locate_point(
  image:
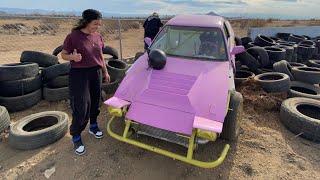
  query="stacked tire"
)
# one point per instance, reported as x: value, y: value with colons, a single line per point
x: 20, y: 85
x: 56, y: 82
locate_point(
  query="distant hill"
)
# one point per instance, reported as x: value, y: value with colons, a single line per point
x: 18, y: 11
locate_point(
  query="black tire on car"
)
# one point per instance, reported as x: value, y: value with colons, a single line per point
x: 38, y: 130
x: 4, y: 119
x: 20, y: 87
x: 300, y: 89
x: 283, y: 67
x: 261, y: 55
x: 231, y: 125
x: 16, y: 71
x: 55, y: 94
x: 264, y: 41
x: 55, y: 71
x: 59, y: 82
x: 19, y: 103
x: 57, y: 50
x: 273, y: 82
x: 301, y: 116
x: 111, y: 51
x: 43, y: 59
x: 309, y: 75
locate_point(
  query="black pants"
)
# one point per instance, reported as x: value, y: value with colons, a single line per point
x: 85, y: 94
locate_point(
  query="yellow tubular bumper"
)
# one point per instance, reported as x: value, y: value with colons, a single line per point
x: 185, y: 159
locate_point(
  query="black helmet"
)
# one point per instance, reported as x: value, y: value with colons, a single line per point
x: 157, y: 59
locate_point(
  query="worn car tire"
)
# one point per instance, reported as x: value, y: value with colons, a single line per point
x: 38, y: 130
x: 273, y: 82
x: 248, y: 60
x: 264, y: 41
x: 138, y: 54
x: 301, y: 116
x: 110, y: 88
x: 19, y: 103
x: 43, y: 59
x: 283, y: 36
x: 231, y: 125
x: 57, y: 50
x: 237, y: 41
x: 55, y: 94
x: 261, y: 55
x: 296, y: 38
x: 283, y: 67
x: 52, y: 72
x: 4, y: 119
x: 275, y: 54
x: 307, y: 42
x: 16, y: 71
x: 59, y: 82
x: 295, y: 64
x: 116, y: 68
x: 314, y: 63
x: 307, y: 74
x: 289, y: 52
x: 250, y: 45
x: 111, y: 51
x: 242, y: 76
x: 300, y: 89
x: 20, y: 87
x: 246, y: 40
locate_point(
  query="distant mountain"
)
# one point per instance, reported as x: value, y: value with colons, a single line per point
x: 18, y: 11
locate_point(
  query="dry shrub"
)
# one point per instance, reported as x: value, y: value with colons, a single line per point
x: 258, y: 99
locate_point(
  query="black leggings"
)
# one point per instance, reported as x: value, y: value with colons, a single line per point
x: 85, y: 94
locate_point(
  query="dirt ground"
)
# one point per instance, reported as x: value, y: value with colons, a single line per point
x: 264, y: 150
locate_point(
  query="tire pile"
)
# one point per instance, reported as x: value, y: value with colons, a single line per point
x: 40, y: 76
x: 286, y: 63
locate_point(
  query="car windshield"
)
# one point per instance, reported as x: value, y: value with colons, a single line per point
x: 192, y: 42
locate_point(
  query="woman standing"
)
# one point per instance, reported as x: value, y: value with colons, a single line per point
x: 83, y: 48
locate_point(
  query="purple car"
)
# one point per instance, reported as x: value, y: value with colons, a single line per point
x: 182, y: 89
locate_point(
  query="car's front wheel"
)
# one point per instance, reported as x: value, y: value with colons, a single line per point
x: 231, y: 123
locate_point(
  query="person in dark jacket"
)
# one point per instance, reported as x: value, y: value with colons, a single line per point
x: 151, y: 27
x: 83, y: 48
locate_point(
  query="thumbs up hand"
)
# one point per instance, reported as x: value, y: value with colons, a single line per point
x: 76, y: 56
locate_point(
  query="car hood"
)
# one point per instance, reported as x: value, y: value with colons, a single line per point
x: 195, y: 87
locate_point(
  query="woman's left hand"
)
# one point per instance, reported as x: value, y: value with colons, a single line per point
x: 106, y: 77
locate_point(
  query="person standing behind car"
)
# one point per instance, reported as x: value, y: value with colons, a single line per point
x: 83, y: 48
x: 151, y: 27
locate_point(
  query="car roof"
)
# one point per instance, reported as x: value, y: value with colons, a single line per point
x: 197, y: 21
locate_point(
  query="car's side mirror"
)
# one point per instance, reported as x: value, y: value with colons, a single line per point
x: 237, y: 50
x: 148, y: 41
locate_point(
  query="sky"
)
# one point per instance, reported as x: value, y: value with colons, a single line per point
x: 303, y: 9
